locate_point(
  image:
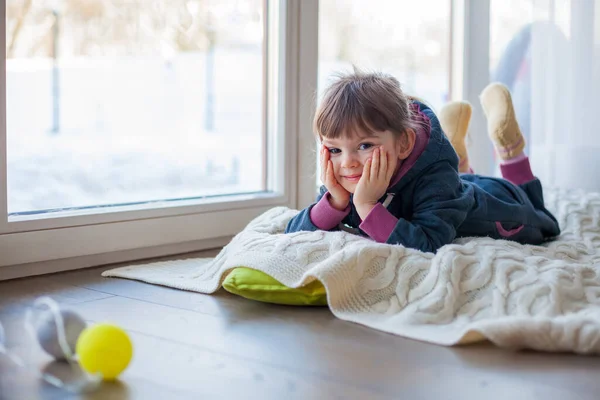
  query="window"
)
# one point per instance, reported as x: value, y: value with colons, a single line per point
x: 407, y: 39
x: 508, y: 19
x: 133, y: 101
x: 140, y: 124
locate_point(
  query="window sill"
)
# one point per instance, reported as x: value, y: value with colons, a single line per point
x: 95, y: 260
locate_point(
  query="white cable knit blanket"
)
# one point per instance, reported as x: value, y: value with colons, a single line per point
x: 540, y: 297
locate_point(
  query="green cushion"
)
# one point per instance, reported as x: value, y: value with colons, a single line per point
x: 257, y: 285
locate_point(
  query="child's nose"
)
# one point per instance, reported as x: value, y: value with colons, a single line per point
x: 350, y: 160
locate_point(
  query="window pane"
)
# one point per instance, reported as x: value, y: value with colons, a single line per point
x: 407, y: 39
x: 119, y: 101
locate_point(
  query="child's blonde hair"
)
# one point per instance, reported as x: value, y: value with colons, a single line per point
x: 363, y: 102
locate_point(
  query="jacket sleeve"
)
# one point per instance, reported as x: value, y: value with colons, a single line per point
x: 441, y: 203
x: 318, y: 216
x: 379, y: 223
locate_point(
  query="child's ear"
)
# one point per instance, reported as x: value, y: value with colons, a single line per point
x: 406, y: 143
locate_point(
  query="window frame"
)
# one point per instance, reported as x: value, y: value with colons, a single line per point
x: 167, y: 225
x: 470, y: 72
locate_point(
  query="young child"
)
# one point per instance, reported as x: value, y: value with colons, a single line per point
x: 391, y: 173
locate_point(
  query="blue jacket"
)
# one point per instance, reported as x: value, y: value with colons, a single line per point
x: 434, y: 204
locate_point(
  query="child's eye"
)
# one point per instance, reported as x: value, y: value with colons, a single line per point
x: 333, y: 150
x: 365, y: 146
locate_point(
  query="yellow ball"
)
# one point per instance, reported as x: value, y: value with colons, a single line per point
x: 104, y: 348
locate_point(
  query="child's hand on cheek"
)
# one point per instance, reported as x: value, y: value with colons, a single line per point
x: 340, y: 197
x: 373, y: 183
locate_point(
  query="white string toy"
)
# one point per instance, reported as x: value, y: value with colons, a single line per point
x: 32, y: 317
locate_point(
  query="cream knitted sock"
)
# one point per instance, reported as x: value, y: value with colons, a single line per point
x: 454, y: 118
x: 503, y: 128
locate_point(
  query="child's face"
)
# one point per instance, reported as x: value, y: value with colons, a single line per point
x: 350, y: 153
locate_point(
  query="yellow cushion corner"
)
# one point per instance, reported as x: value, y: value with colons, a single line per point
x: 256, y: 285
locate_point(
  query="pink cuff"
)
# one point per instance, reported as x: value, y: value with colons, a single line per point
x: 517, y: 172
x: 379, y: 224
x: 326, y: 217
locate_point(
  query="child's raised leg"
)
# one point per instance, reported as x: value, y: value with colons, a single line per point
x: 504, y: 131
x: 454, y: 118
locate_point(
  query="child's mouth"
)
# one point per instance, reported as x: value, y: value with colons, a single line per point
x: 352, y: 178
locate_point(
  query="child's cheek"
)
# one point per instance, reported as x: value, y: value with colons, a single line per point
x: 336, y: 168
x: 366, y: 156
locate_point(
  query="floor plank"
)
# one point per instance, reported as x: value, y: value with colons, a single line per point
x: 222, y: 346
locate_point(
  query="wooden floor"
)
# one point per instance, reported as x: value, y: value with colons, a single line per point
x: 191, y: 346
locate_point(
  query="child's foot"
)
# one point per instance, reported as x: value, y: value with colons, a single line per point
x: 454, y: 118
x: 502, y: 123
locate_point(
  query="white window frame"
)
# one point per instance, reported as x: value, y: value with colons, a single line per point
x: 470, y: 73
x: 77, y: 239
